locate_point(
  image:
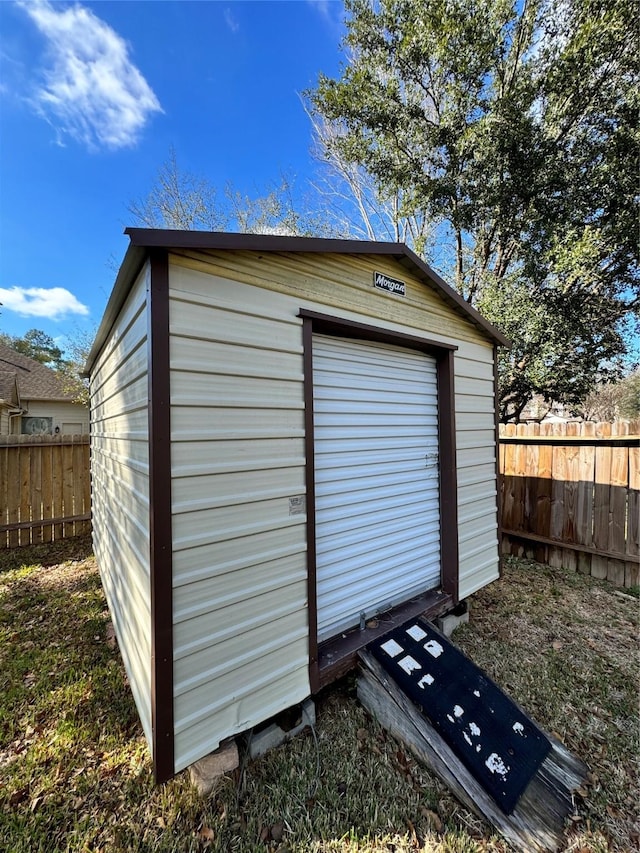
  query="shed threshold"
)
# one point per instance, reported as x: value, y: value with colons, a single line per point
x: 339, y: 655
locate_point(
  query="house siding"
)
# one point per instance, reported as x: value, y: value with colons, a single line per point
x: 120, y: 488
x: 237, y: 430
x: 61, y: 413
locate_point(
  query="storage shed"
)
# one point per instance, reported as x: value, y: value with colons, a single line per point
x: 293, y: 445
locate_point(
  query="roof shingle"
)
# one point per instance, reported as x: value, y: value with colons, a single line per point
x: 35, y: 381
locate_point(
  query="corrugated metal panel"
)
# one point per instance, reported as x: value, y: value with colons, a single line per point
x: 234, y: 323
x: 311, y: 282
x: 241, y: 674
x: 474, y: 387
x: 342, y: 282
x: 235, y: 710
x: 120, y: 475
x: 376, y: 481
x: 240, y: 590
x: 476, y: 453
x: 201, y: 562
x: 479, y: 568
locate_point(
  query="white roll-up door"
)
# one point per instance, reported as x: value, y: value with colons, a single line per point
x: 376, y: 478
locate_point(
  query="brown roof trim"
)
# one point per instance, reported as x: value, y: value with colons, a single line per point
x: 144, y: 239
x: 132, y: 263
x: 167, y: 239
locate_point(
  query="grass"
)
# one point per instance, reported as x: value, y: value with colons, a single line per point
x: 75, y: 773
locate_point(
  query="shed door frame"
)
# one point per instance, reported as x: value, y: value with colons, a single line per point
x: 317, y: 323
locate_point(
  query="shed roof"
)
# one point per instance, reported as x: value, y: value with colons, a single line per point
x: 145, y: 240
x: 35, y: 381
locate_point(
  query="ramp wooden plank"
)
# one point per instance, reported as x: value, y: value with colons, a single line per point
x: 537, y: 822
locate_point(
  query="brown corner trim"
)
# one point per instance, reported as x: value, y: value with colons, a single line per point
x: 312, y: 607
x: 161, y: 569
x: 496, y: 410
x: 448, y: 475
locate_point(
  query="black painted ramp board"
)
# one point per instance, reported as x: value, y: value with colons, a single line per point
x: 499, y: 745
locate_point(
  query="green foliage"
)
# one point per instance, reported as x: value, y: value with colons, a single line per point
x: 629, y: 406
x: 68, y: 364
x: 36, y: 345
x: 71, y: 372
x: 513, y: 128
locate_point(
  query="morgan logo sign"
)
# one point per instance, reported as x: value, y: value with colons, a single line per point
x: 391, y: 285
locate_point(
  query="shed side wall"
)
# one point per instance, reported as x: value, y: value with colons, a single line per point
x: 120, y: 488
x: 240, y: 599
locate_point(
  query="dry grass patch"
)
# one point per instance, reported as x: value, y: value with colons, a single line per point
x: 566, y: 647
x: 75, y: 773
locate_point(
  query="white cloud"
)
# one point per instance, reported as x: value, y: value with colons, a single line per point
x: 231, y: 21
x: 322, y: 6
x: 332, y: 11
x: 92, y: 91
x: 52, y: 302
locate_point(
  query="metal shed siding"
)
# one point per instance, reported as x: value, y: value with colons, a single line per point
x: 476, y: 449
x: 344, y: 283
x: 239, y: 564
x: 120, y: 474
x: 377, y: 506
x: 341, y: 281
x: 240, y: 598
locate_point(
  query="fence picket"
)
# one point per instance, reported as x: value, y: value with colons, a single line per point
x: 558, y: 466
x: 13, y: 494
x: 56, y: 487
x: 632, y: 569
x: 42, y: 479
x: 35, y: 491
x: 601, y: 503
x: 47, y: 490
x: 581, y: 497
x: 24, y: 466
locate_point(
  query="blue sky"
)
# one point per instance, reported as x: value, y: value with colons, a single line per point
x: 93, y: 96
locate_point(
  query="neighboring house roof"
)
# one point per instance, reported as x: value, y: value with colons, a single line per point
x: 9, y: 387
x: 144, y: 240
x: 34, y: 380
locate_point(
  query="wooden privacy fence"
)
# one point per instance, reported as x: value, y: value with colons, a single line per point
x: 571, y: 496
x: 45, y: 491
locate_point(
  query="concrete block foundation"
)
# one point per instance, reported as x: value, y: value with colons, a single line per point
x: 284, y: 727
x: 452, y: 620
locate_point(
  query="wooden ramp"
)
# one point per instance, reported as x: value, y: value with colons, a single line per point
x: 537, y: 821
